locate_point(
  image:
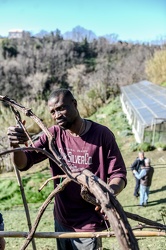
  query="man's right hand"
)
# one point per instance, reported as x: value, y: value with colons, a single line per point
x: 16, y: 136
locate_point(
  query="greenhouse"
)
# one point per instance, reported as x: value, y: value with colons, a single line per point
x: 144, y: 104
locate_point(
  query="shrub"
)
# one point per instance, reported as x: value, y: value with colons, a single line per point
x: 156, y: 67
x: 145, y: 146
x: 161, y: 145
x: 126, y: 132
x: 134, y: 146
x: 141, y: 147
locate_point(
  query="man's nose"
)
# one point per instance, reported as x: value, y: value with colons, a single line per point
x: 57, y: 114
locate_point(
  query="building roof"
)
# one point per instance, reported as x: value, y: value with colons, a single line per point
x: 148, y: 101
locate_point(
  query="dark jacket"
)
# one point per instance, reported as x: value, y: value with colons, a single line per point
x: 137, y: 164
x: 147, y: 179
x: 1, y: 218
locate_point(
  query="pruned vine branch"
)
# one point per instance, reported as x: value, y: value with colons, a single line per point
x: 147, y: 223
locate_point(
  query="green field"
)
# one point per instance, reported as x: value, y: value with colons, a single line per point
x: 15, y: 219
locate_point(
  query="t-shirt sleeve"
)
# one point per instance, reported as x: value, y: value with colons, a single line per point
x: 116, y: 165
x: 34, y: 157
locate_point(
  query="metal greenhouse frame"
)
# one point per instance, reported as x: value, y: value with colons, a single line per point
x: 144, y: 104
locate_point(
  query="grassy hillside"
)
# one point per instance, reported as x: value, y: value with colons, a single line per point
x: 12, y: 206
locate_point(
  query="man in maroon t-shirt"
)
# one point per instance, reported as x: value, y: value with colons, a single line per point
x: 83, y: 144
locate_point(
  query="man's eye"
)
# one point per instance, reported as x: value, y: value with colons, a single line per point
x: 62, y: 108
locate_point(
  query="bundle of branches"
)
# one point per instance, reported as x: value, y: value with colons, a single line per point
x: 92, y: 189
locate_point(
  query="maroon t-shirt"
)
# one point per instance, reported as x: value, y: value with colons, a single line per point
x: 97, y: 151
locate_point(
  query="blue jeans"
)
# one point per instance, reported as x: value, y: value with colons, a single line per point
x: 76, y: 243
x: 144, y: 194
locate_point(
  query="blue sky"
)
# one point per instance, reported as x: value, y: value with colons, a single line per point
x: 143, y: 20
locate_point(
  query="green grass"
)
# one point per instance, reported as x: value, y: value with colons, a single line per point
x: 13, y: 209
x: 10, y: 191
x: 15, y: 219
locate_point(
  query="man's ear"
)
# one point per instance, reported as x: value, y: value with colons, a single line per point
x: 75, y: 102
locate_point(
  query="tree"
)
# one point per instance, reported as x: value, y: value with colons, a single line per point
x: 9, y: 50
x: 156, y: 68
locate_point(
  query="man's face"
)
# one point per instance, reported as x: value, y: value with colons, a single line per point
x: 63, y: 111
x: 141, y: 156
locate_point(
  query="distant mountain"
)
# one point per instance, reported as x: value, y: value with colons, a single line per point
x: 79, y: 33
x: 42, y: 33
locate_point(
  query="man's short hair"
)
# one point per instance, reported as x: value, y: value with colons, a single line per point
x: 58, y: 92
x: 147, y: 161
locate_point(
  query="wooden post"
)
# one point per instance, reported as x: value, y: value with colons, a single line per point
x: 24, y: 202
x: 49, y: 235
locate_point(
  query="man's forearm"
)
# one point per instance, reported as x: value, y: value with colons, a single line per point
x: 117, y: 185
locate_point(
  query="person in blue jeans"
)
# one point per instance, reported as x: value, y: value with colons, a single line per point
x: 2, y: 241
x: 145, y: 177
x: 136, y: 165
